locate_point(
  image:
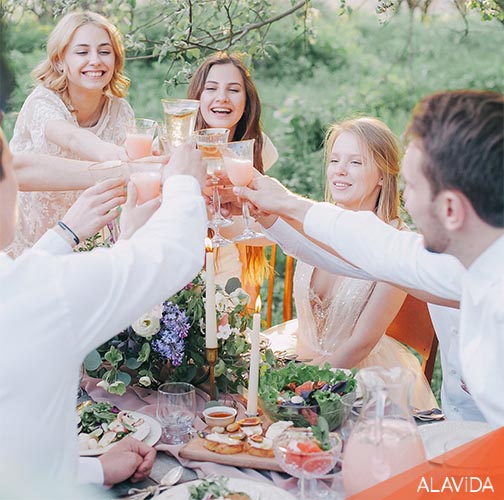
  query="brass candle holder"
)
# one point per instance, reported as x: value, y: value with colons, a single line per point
x: 212, y: 356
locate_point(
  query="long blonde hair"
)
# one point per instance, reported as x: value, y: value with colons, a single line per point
x: 381, y: 149
x: 47, y: 72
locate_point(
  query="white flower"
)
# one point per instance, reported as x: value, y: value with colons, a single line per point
x: 103, y: 384
x: 145, y: 381
x: 239, y: 297
x: 224, y: 331
x: 157, y: 311
x: 146, y: 326
x: 221, y: 302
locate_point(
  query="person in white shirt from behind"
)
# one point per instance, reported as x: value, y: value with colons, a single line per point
x: 453, y: 169
x: 53, y: 314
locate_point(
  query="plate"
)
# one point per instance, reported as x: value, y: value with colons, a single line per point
x: 440, y: 437
x: 255, y: 489
x: 155, y: 430
x: 141, y: 433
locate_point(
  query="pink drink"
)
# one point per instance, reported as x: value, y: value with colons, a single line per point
x: 148, y: 185
x: 369, y: 460
x: 239, y: 170
x: 138, y: 145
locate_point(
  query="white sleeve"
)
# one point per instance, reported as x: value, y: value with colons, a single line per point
x: 103, y: 291
x: 388, y: 254
x: 90, y: 471
x: 51, y: 242
x: 296, y: 244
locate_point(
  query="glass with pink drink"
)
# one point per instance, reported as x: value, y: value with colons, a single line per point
x: 146, y: 177
x: 139, y: 137
x: 239, y: 166
x: 385, y: 441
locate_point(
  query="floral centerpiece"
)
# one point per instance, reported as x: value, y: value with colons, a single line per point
x: 168, y: 343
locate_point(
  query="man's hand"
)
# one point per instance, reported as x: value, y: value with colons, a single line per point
x: 95, y: 207
x: 133, y: 216
x: 129, y: 458
x: 186, y: 160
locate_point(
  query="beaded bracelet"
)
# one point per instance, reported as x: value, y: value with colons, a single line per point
x: 66, y: 228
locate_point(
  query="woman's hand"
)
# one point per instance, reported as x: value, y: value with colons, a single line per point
x: 95, y: 208
x: 134, y: 216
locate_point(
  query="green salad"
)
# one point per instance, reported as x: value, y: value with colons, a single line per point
x: 301, y: 392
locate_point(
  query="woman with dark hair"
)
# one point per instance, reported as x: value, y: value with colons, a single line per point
x: 229, y: 99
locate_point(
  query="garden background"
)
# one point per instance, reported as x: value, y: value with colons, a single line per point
x: 314, y: 63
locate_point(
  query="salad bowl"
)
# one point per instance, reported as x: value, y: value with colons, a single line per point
x: 301, y: 393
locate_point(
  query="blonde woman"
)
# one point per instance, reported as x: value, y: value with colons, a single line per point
x: 76, y: 111
x: 343, y: 320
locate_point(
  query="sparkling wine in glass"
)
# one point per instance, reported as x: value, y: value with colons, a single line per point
x: 239, y: 165
x: 146, y: 176
x: 180, y: 118
x: 112, y: 169
x: 211, y: 142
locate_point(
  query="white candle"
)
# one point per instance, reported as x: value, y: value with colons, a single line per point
x: 253, y: 381
x: 210, y: 312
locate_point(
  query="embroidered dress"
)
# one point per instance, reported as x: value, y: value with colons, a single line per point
x: 40, y: 210
x: 322, y: 325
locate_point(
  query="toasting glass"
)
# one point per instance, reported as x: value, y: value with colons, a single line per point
x: 180, y: 118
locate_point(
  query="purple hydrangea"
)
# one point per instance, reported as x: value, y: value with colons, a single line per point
x: 170, y: 341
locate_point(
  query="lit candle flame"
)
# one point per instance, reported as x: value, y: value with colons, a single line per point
x: 258, y: 304
x: 208, y: 244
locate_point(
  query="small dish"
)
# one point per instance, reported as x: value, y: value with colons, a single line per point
x: 219, y: 415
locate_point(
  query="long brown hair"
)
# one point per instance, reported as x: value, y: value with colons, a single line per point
x: 47, y: 72
x: 381, y: 149
x: 248, y: 127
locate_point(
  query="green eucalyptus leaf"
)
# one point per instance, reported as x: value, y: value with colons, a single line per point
x: 232, y: 284
x: 92, y: 361
x: 117, y: 387
x: 124, y: 377
x: 133, y: 363
x: 144, y: 353
x: 114, y: 356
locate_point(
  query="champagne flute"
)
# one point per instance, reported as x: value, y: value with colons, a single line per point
x: 112, y: 169
x: 180, y: 118
x: 211, y: 142
x: 239, y: 165
x: 139, y: 136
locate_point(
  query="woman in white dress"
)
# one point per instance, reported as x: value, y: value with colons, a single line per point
x: 343, y: 320
x: 76, y: 111
x: 229, y: 99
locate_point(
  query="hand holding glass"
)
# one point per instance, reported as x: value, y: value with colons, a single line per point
x: 112, y: 169
x: 239, y: 165
x: 180, y: 118
x: 147, y: 179
x: 176, y: 410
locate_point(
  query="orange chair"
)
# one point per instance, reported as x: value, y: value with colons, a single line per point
x: 412, y: 326
x: 288, y: 287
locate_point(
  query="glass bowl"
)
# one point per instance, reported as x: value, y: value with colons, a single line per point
x: 295, y: 446
x: 305, y: 416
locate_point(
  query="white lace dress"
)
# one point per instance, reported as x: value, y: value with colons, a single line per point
x: 323, y: 325
x: 40, y: 210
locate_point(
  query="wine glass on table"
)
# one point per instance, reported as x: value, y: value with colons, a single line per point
x: 239, y: 165
x: 180, y: 118
x: 211, y: 142
x: 139, y: 136
x: 112, y: 169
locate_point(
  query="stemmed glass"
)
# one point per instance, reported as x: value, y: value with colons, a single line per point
x: 176, y: 411
x: 112, y: 169
x: 146, y: 176
x: 211, y: 142
x: 180, y: 118
x: 239, y: 165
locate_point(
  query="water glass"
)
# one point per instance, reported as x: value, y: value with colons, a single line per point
x: 176, y: 410
x: 139, y: 136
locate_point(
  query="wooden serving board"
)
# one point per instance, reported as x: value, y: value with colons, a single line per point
x: 195, y: 450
